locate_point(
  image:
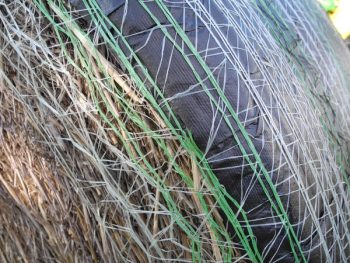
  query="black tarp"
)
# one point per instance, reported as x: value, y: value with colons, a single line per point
x: 197, y: 113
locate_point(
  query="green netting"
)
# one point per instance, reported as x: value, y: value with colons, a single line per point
x: 300, y: 90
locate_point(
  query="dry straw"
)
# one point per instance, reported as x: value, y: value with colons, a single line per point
x: 89, y: 170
